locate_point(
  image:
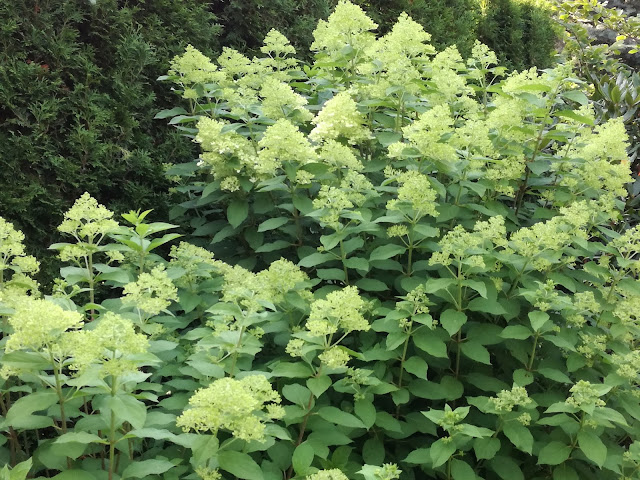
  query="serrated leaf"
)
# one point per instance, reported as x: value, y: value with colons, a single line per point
x: 302, y: 458
x: 519, y: 435
x: 476, y: 352
x: 146, y: 467
x: 592, y: 447
x: 237, y: 212
x: 554, y: 453
x: 452, y: 321
x: 441, y: 451
x: 386, y: 251
x: 516, y: 332
x: 240, y: 464
x: 339, y: 417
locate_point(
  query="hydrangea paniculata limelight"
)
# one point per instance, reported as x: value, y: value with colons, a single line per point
x: 194, y: 68
x: 39, y: 324
x: 341, y: 310
x: 108, y: 347
x: 339, y: 119
x: 333, y: 474
x: 506, y: 400
x: 242, y: 407
x: 152, y: 292
x: 89, y: 220
x: 282, y: 142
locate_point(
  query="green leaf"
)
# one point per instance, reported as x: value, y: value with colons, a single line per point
x: 319, y: 385
x: 554, y: 453
x: 565, y: 472
x: 371, y: 285
x: 386, y: 251
x: 416, y: 366
x: 365, y: 410
x: 419, y: 456
x: 461, y: 470
x: 428, y: 341
x: 272, y: 224
x: 487, y: 306
x: 297, y: 394
x: 538, y: 319
x: 358, y: 263
x: 146, y: 467
x: 441, y: 451
x: 592, y: 447
x: 240, y: 464
x: 576, y: 96
x: 387, y: 138
x: 302, y: 458
x: 506, y: 468
x: 519, y: 435
x: 373, y: 451
x: 486, y: 448
x: 574, y: 116
x: 517, y: 332
x: 292, y: 370
x: 452, y: 321
x: 555, y: 375
x: 20, y: 471
x: 315, y: 259
x: 476, y: 352
x: 20, y: 414
x: 79, y: 437
x: 237, y: 212
x: 170, y: 113
x: 72, y: 475
x: 338, y: 417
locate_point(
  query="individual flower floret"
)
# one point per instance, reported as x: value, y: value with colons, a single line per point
x: 333, y: 474
x: 240, y: 406
x: 88, y: 219
x: 38, y: 324
x: 342, y: 309
x: 339, y: 118
x: 108, y: 347
x: 152, y: 292
x: 506, y: 400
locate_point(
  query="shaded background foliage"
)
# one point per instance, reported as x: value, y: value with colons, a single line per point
x: 78, y: 92
x: 77, y: 100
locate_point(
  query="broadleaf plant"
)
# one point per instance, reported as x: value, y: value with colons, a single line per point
x: 420, y: 271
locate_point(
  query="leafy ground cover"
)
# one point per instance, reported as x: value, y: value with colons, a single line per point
x: 421, y: 270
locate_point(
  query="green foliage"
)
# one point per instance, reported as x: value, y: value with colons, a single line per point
x: 77, y: 99
x: 421, y: 272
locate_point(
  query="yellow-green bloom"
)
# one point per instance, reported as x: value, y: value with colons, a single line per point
x: 339, y: 118
x: 342, y: 309
x: 335, y: 357
x: 38, y: 324
x: 585, y: 395
x: 506, y: 400
x: 242, y: 407
x: 152, y: 292
x: 109, y: 346
x: 333, y: 474
x: 282, y: 142
x: 194, y: 68
x: 88, y: 219
x: 280, y: 101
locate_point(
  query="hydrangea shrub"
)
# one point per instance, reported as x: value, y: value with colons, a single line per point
x: 403, y: 266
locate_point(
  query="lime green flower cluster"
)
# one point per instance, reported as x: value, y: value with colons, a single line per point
x: 108, y: 348
x: 425, y: 135
x: 415, y: 190
x: 280, y: 101
x: 333, y: 474
x: 152, y: 293
x: 196, y: 262
x: 585, y: 396
x: 227, y: 154
x: 13, y: 257
x: 339, y: 119
x: 282, y: 142
x: 278, y: 48
x: 194, y: 68
x: 352, y: 192
x: 335, y: 357
x: 39, y: 325
x: 347, y: 26
x: 240, y: 406
x: 88, y: 220
x: 458, y: 244
x: 628, y: 365
x: 206, y: 473
x: 506, y: 400
x: 341, y: 310
x: 388, y: 471
x: 339, y: 156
